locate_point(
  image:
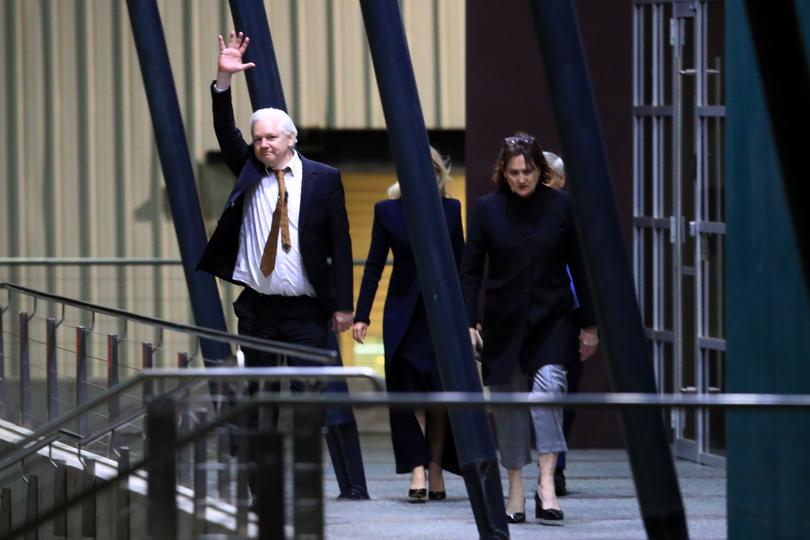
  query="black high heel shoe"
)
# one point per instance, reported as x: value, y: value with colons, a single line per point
x: 547, y: 516
x: 417, y: 495
x: 516, y: 517
x: 437, y: 495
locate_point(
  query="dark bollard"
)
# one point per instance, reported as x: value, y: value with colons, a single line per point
x: 122, y: 502
x: 307, y: 472
x: 52, y: 372
x: 60, y: 496
x: 25, y: 372
x: 81, y: 374
x: 3, y: 401
x: 114, y: 404
x: 435, y: 263
x: 89, y: 505
x: 609, y: 274
x: 161, y: 509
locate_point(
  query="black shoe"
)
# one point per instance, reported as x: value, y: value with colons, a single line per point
x: 354, y: 494
x: 516, y: 517
x: 547, y: 516
x: 437, y: 495
x: 417, y: 495
x: 559, y: 482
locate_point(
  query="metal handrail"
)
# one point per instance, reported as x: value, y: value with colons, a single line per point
x: 275, y: 347
x: 108, y: 261
x: 22, y: 448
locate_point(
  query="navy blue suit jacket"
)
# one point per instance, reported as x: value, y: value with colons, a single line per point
x: 323, y: 227
x: 390, y: 231
x: 529, y: 312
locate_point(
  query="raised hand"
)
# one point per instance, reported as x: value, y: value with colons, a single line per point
x: 230, y: 56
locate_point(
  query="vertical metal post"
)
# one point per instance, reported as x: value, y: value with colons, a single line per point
x: 51, y: 368
x: 200, y: 477
x: 32, y: 505
x: 25, y: 372
x: 186, y: 459
x: 167, y: 122
x: 270, y: 464
x: 59, y: 497
x: 5, y: 511
x: 307, y: 472
x: 242, y: 471
x: 225, y: 461
x: 114, y: 405
x: 81, y: 373
x: 147, y: 361
x: 3, y: 401
x: 89, y: 505
x: 435, y: 263
x: 122, y: 502
x: 161, y: 510
x: 602, y: 247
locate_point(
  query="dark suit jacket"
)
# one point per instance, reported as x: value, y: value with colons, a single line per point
x: 390, y: 231
x: 323, y: 228
x: 529, y: 312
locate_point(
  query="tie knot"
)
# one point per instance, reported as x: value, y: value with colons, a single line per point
x: 280, y: 174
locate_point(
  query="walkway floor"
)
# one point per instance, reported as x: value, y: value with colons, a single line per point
x: 601, y: 504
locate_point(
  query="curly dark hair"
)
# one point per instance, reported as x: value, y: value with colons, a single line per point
x: 520, y: 144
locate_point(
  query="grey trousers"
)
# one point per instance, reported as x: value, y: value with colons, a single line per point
x: 512, y: 425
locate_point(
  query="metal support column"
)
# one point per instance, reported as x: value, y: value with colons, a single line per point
x: 52, y: 372
x: 610, y: 277
x: 81, y: 374
x: 436, y: 266
x: 177, y: 170
x: 25, y: 372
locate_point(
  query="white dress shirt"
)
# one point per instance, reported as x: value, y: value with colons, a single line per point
x: 288, y: 277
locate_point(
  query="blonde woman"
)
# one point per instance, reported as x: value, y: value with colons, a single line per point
x: 421, y: 439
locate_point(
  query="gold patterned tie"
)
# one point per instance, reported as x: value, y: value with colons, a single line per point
x: 281, y: 221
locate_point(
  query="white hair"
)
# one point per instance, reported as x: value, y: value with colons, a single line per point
x: 269, y: 114
x: 555, y: 162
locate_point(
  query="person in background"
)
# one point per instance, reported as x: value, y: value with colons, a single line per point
x: 421, y: 438
x: 574, y: 375
x: 524, y: 232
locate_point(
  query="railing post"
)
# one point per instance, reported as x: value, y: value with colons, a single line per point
x: 243, y: 469
x: 147, y: 360
x: 270, y: 475
x: 89, y: 505
x: 200, y: 477
x: 122, y: 503
x: 161, y: 510
x: 5, y: 512
x: 225, y: 461
x: 307, y: 472
x: 186, y: 454
x: 114, y: 407
x: 3, y: 401
x: 32, y: 505
x: 60, y: 496
x: 81, y: 373
x: 52, y: 371
x: 25, y: 372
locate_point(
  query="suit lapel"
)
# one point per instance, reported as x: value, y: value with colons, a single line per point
x: 308, y: 179
x: 251, y: 173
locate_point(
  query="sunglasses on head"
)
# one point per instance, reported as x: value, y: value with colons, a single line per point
x: 528, y: 140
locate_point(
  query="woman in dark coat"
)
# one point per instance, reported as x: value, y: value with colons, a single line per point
x: 525, y: 231
x: 420, y: 440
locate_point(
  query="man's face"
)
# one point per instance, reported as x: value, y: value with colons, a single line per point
x: 521, y: 176
x: 272, y: 146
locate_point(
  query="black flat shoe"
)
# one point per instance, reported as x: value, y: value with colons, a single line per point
x: 547, y: 516
x: 437, y: 495
x: 417, y: 495
x: 516, y: 517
